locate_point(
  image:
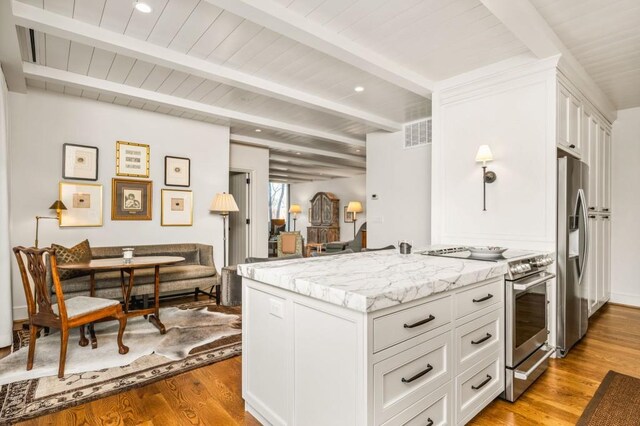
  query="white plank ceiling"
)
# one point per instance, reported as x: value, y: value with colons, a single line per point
x: 194, y: 59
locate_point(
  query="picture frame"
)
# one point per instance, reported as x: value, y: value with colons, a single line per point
x: 177, y: 171
x: 131, y: 199
x: 83, y: 202
x: 79, y: 162
x: 348, y: 216
x: 177, y: 207
x: 132, y: 159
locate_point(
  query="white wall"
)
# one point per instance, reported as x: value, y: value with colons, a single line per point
x: 255, y: 160
x: 42, y: 121
x: 513, y: 112
x: 6, y: 320
x: 401, y: 179
x: 625, y: 207
x: 346, y: 189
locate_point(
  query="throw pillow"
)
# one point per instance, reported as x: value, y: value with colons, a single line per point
x: 80, y: 253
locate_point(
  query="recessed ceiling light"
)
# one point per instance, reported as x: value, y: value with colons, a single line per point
x: 142, y: 7
x: 297, y: 153
x: 258, y: 130
x: 357, y: 150
x: 359, y: 89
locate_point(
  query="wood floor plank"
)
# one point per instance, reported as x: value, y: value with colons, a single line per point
x: 212, y: 395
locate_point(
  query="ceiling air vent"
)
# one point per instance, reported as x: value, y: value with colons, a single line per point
x: 417, y: 133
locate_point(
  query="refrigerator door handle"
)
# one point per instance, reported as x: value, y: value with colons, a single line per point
x: 585, y: 218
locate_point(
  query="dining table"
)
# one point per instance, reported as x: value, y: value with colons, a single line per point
x: 129, y: 266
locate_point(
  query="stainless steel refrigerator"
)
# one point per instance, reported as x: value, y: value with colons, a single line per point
x: 573, y: 251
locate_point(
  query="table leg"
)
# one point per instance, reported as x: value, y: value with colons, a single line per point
x: 124, y: 291
x: 92, y: 281
x: 155, y: 317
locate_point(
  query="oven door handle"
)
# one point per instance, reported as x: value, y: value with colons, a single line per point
x: 546, y: 277
x: 524, y: 375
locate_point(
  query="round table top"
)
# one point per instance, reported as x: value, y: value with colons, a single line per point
x: 118, y: 263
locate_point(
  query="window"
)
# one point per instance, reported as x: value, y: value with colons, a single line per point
x: 278, y: 200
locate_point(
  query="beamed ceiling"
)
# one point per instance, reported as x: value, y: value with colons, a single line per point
x: 282, y: 73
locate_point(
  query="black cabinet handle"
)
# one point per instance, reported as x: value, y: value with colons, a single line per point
x: 605, y: 210
x: 429, y: 422
x: 572, y: 146
x: 424, y: 321
x: 481, y: 385
x: 592, y: 208
x: 484, y: 339
x: 417, y: 376
x: 487, y: 297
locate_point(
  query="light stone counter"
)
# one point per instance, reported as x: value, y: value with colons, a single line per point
x: 370, y: 281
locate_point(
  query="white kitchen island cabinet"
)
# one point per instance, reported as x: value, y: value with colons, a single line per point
x: 373, y: 338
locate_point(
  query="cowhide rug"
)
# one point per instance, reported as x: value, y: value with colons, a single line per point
x: 198, y: 334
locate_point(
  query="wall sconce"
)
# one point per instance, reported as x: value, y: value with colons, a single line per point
x: 484, y: 154
x: 295, y: 209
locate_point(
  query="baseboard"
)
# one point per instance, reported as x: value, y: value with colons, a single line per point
x: 20, y: 313
x: 625, y: 299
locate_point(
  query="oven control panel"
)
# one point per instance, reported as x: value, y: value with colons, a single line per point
x: 522, y: 267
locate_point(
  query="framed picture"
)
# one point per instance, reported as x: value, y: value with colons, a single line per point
x: 83, y: 202
x: 348, y: 216
x: 177, y: 171
x: 79, y: 162
x: 132, y: 159
x: 177, y: 207
x: 131, y: 199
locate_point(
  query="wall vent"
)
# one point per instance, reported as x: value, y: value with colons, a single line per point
x: 417, y: 133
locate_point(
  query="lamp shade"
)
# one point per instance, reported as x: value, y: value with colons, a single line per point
x: 484, y: 154
x: 224, y: 203
x: 295, y: 208
x: 58, y: 205
x: 354, y: 207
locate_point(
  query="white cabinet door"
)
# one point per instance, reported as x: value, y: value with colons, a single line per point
x: 606, y: 172
x: 600, y: 259
x: 606, y: 259
x: 594, y: 164
x: 568, y: 121
x: 593, y: 264
x: 575, y: 115
x: 563, y: 116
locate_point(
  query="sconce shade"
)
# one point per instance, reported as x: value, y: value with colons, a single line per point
x: 295, y: 208
x: 484, y: 154
x: 223, y: 203
x: 354, y: 207
x: 58, y: 205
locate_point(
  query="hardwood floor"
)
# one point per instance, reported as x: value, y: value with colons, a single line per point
x: 212, y: 395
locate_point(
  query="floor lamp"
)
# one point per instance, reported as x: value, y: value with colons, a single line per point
x: 354, y: 207
x: 58, y: 206
x: 295, y: 209
x: 223, y: 204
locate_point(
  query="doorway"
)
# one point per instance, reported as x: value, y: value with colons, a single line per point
x: 240, y: 224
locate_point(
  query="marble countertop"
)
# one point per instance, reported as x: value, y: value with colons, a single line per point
x: 370, y: 281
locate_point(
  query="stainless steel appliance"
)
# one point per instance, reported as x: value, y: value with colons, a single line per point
x: 573, y: 247
x: 526, y: 323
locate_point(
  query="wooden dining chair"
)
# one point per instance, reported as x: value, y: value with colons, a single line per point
x: 77, y: 311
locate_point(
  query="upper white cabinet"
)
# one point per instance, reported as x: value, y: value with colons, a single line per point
x: 569, y: 121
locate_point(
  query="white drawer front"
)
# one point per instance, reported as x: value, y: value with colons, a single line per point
x: 403, y: 379
x: 476, y: 385
x: 435, y: 409
x: 399, y: 326
x: 477, y: 339
x: 474, y: 299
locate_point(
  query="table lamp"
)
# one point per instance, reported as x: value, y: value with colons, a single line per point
x: 354, y: 207
x: 58, y: 206
x: 223, y: 204
x: 295, y: 209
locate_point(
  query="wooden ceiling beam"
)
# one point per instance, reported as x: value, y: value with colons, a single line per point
x: 81, y: 32
x: 277, y: 18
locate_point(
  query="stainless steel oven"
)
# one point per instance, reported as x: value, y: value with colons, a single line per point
x: 526, y: 324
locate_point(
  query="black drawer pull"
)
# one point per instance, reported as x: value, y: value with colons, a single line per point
x: 424, y: 321
x: 429, y: 422
x: 484, y: 339
x: 481, y: 385
x: 487, y: 297
x: 572, y: 146
x: 417, y: 376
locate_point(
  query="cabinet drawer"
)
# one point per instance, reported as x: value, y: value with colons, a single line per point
x: 403, y: 379
x: 435, y: 409
x: 397, y: 327
x: 477, y: 339
x: 474, y: 299
x: 477, y: 386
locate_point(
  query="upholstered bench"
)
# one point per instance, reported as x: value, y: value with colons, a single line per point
x: 197, y: 271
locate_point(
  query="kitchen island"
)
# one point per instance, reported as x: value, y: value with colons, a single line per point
x: 372, y: 338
